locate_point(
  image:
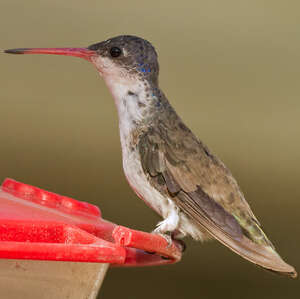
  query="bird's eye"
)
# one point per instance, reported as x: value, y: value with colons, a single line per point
x: 115, y: 52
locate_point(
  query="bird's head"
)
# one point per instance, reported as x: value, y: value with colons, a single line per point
x: 122, y: 58
x: 126, y: 57
x: 128, y: 65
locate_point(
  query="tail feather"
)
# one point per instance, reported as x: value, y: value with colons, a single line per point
x: 261, y: 253
x: 264, y: 256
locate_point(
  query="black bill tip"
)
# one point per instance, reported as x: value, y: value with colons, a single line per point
x: 16, y: 51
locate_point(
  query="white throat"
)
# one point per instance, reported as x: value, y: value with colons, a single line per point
x: 132, y: 105
x: 129, y: 93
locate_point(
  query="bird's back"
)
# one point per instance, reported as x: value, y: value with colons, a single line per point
x: 181, y: 167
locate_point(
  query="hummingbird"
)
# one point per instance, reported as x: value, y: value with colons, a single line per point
x: 165, y: 163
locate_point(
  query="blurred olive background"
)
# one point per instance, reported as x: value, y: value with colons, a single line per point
x: 230, y: 68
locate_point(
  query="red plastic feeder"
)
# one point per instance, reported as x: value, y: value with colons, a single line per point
x: 53, y: 246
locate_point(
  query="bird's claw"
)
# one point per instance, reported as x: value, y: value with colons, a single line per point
x: 181, y: 244
x: 167, y: 236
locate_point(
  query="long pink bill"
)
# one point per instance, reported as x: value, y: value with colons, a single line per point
x: 77, y: 52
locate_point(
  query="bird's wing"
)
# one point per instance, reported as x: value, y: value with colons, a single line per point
x: 205, y: 190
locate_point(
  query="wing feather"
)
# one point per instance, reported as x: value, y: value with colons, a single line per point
x: 205, y: 190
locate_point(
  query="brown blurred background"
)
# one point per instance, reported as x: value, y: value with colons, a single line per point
x: 230, y: 68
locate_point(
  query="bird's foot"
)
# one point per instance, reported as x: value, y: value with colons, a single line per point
x: 163, y: 229
x: 166, y: 235
x: 170, y: 237
x: 177, y: 236
x: 181, y: 244
x: 169, y: 225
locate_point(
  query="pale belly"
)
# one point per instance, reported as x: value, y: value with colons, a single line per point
x: 133, y: 108
x: 139, y: 183
x: 163, y: 205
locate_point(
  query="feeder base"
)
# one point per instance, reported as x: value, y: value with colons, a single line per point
x: 50, y: 279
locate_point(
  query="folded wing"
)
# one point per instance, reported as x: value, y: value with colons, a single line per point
x: 205, y: 190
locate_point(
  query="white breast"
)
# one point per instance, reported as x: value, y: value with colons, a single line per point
x: 164, y: 206
x: 138, y: 181
x: 128, y: 96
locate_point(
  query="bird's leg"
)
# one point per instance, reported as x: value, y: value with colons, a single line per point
x: 178, y: 236
x: 166, y: 227
x: 181, y: 244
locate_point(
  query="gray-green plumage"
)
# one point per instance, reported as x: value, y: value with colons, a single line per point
x: 165, y: 164
x: 180, y: 165
x: 182, y: 168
